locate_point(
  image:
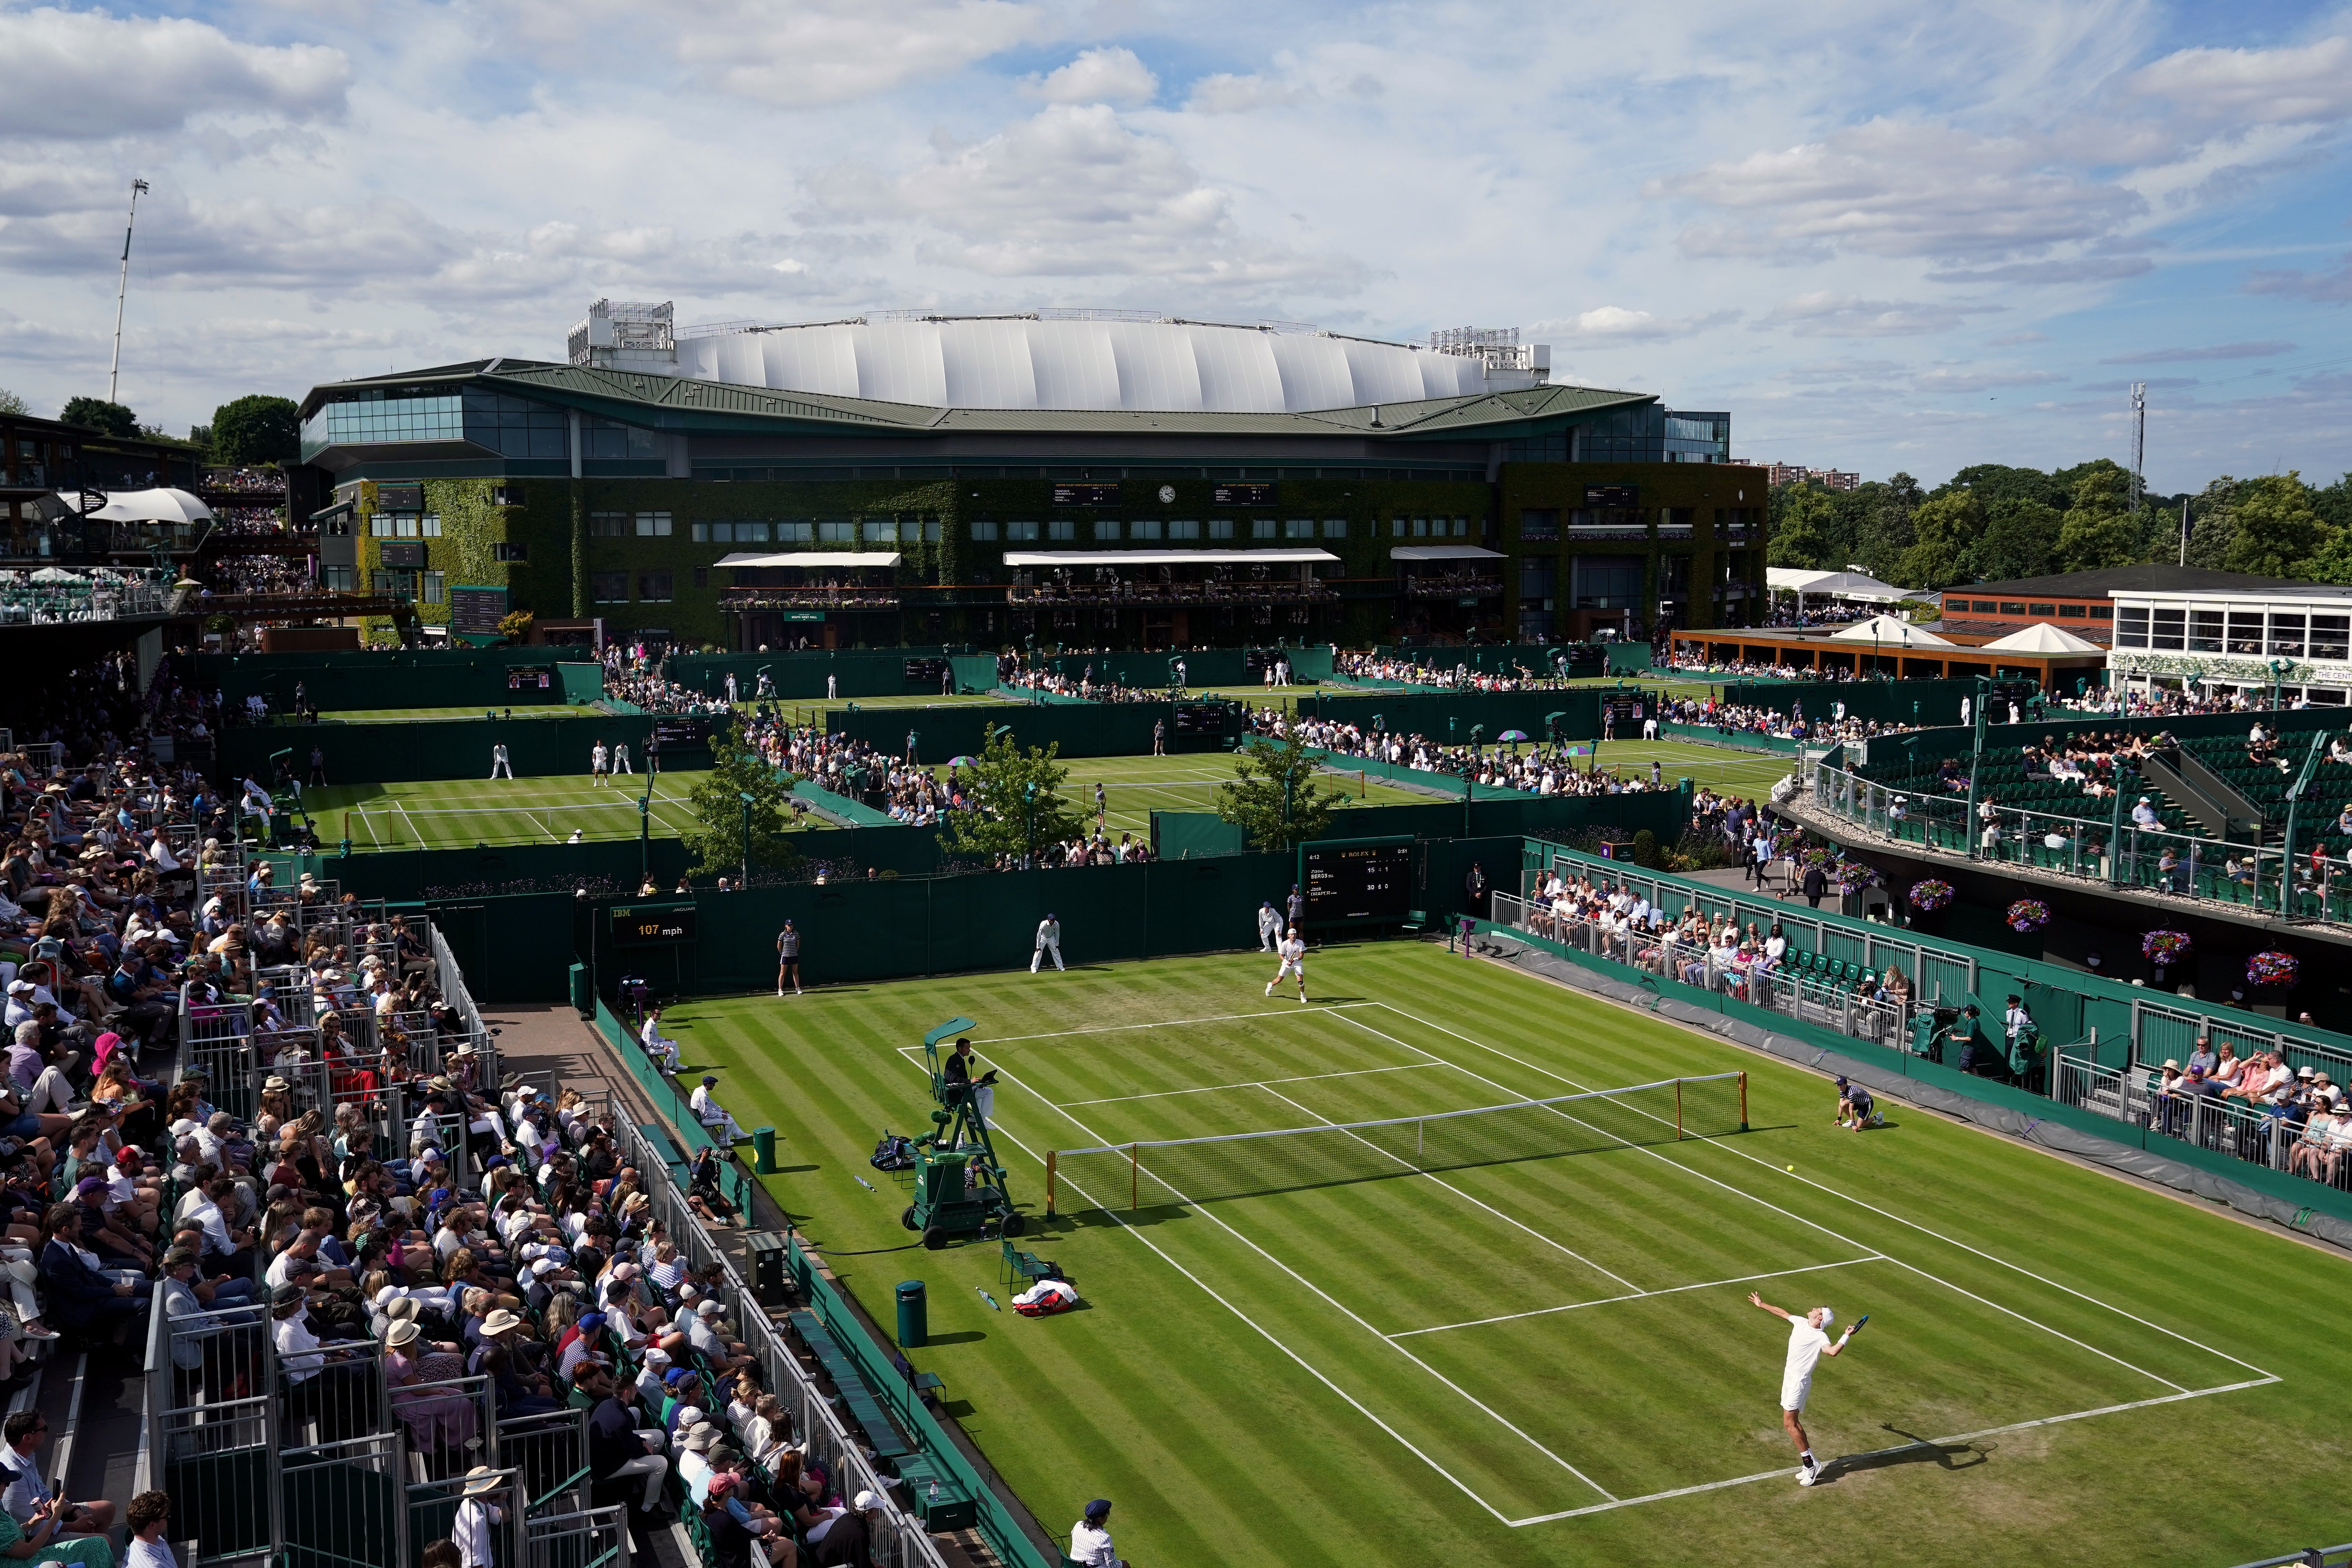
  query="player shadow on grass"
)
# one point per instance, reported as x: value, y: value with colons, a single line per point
x: 1919, y: 1450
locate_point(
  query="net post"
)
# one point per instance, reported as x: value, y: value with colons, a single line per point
x: 1134, y: 1177
x: 1049, y: 1183
x: 1743, y: 1099
x: 1678, y: 1110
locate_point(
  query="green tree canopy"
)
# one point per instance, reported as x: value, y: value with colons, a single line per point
x: 12, y: 403
x: 2018, y: 535
x: 2096, y: 531
x: 1276, y: 796
x: 256, y: 428
x: 1995, y: 483
x: 1947, y: 530
x: 717, y: 838
x: 1020, y: 800
x: 2277, y: 530
x: 1801, y: 516
x: 100, y: 415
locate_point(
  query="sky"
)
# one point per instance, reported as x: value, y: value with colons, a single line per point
x: 1882, y: 235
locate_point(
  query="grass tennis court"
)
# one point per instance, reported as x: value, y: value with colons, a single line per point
x: 1135, y: 787
x: 458, y: 814
x: 1748, y: 774
x: 1549, y: 1360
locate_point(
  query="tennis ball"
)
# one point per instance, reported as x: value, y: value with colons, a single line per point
x: 1792, y: 1167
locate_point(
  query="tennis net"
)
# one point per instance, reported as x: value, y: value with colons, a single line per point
x: 1243, y: 1165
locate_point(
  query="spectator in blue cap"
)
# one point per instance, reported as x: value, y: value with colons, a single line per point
x: 1090, y: 1538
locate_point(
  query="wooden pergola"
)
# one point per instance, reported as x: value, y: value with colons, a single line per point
x: 1820, y: 651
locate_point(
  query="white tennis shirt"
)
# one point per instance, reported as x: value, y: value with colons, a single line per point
x: 1806, y: 1343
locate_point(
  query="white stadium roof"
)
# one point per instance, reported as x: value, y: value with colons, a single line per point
x: 1018, y: 363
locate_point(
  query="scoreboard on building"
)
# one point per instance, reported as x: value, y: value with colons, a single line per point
x: 531, y: 677
x: 476, y: 610
x: 927, y: 672
x: 1085, y: 495
x: 1243, y: 495
x: 687, y: 728
x: 645, y: 925
x: 1611, y: 497
x: 1200, y: 718
x: 1356, y: 879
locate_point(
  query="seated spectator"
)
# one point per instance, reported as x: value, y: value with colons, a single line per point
x: 27, y: 1495
x: 713, y: 1115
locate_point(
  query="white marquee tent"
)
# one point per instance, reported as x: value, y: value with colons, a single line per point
x: 1891, y: 631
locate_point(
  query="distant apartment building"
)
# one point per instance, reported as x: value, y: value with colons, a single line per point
x: 1797, y: 474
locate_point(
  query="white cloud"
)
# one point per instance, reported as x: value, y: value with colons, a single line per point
x: 2264, y: 350
x: 1226, y: 93
x: 2320, y: 287
x: 1097, y: 75
x: 1074, y: 192
x: 1606, y: 326
x: 1953, y: 380
x: 85, y: 74
x: 1827, y: 314
x: 2312, y: 84
x: 1897, y: 188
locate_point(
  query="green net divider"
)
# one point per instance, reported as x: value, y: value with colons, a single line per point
x: 1247, y: 1164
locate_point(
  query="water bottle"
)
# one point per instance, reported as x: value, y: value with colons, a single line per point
x: 935, y: 1494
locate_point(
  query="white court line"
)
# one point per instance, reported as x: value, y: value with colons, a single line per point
x: 1833, y: 1192
x: 1789, y: 1213
x: 401, y: 806
x: 1636, y: 1295
x: 1338, y: 1306
x: 1222, y: 1088
x: 1304, y: 1366
x: 1180, y: 1023
x: 1457, y: 1192
x: 1933, y: 1442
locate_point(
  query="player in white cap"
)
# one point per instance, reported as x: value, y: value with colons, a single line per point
x: 1293, y: 949
x: 1809, y: 1341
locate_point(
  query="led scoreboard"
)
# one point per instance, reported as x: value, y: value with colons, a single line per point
x: 644, y: 925
x: 1356, y: 879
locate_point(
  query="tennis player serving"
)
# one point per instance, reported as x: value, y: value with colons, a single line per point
x: 1809, y: 1341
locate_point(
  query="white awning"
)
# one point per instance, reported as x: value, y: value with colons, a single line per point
x: 1836, y: 585
x: 814, y: 558
x: 1889, y: 631
x: 153, y: 506
x: 1442, y: 553
x: 2041, y: 637
x: 1164, y: 557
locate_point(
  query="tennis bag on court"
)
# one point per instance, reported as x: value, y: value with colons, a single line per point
x: 892, y: 1153
x: 1045, y: 1299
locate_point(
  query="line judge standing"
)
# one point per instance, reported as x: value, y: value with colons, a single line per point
x: 1049, y: 940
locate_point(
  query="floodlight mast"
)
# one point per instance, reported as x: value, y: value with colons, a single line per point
x: 114, y: 369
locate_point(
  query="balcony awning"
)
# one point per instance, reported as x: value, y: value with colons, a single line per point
x: 1164, y: 557
x: 1442, y: 553
x: 814, y: 558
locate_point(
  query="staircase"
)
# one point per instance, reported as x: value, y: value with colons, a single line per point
x: 2211, y: 801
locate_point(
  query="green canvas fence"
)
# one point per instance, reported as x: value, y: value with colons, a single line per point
x: 1447, y: 716
x: 444, y: 748
x: 1080, y: 729
x: 1888, y: 701
x: 581, y: 682
x: 1664, y: 812
x: 1204, y: 666
x: 798, y: 677
x: 343, y: 678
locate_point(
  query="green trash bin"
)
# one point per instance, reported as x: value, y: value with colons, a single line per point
x: 764, y: 1150
x: 914, y: 1314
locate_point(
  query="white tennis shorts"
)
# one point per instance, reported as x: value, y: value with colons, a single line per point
x: 1292, y: 966
x: 1794, y: 1392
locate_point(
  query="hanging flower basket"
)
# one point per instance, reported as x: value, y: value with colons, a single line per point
x: 2165, y: 948
x: 2272, y: 968
x: 2028, y: 915
x: 1930, y: 895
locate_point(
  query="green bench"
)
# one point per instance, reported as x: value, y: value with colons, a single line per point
x: 1026, y: 1268
x: 658, y: 1139
x: 935, y: 1496
x: 858, y: 1400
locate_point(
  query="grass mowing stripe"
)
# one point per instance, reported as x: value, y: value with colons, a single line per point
x: 1638, y: 1295
x: 1341, y: 1308
x: 1825, y: 1229
x: 1948, y: 1241
x: 1304, y: 1364
x: 1223, y: 1087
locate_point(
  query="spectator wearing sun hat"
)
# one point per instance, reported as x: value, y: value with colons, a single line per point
x: 1090, y: 1544
x: 470, y: 1530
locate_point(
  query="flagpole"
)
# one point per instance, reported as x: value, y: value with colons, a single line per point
x: 115, y: 369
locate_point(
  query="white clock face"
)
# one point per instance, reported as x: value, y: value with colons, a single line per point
x: 1167, y: 494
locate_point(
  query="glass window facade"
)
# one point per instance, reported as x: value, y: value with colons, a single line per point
x: 1181, y: 527
x: 983, y: 531
x: 1220, y: 528
x: 511, y: 427
x: 609, y: 587
x: 654, y: 587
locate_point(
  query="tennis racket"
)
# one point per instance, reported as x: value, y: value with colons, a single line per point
x: 1857, y: 1325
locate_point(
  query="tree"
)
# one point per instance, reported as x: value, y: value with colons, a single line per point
x: 2018, y: 534
x: 256, y: 428
x: 1020, y: 800
x: 716, y: 839
x: 2212, y: 523
x: 515, y: 625
x: 1800, y: 516
x: 2277, y: 529
x: 100, y: 415
x: 1994, y: 483
x: 1946, y: 532
x: 10, y: 403
x: 1277, y: 797
x: 2096, y: 531
x: 1885, y: 529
